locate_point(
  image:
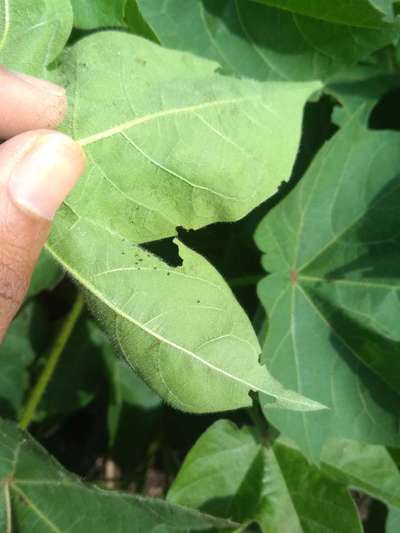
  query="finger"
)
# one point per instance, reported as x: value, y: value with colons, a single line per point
x: 37, y: 170
x: 27, y: 103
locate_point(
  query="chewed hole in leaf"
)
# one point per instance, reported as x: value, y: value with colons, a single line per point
x: 166, y: 250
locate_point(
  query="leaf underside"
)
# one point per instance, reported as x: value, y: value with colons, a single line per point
x: 181, y: 329
x: 147, y: 117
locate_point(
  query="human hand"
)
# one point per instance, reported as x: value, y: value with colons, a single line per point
x: 38, y: 168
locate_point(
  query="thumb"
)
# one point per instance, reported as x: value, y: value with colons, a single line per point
x: 37, y: 171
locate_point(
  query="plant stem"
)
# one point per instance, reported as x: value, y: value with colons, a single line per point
x: 52, y: 361
x: 260, y: 424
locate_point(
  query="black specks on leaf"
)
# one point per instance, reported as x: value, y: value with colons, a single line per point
x: 140, y: 61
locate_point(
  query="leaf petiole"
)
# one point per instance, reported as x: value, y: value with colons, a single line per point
x: 52, y: 361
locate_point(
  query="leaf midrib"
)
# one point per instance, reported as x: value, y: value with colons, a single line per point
x: 348, y: 347
x: 6, y: 24
x: 94, y: 291
x: 115, y: 130
x: 349, y: 282
x: 308, y: 263
x: 36, y: 510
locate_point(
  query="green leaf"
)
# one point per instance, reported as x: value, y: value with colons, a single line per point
x: 147, y: 130
x: 17, y: 352
x: 230, y: 474
x: 359, y: 89
x: 95, y: 14
x: 91, y: 14
x: 358, y: 13
x: 368, y: 468
x: 38, y: 494
x: 332, y: 247
x: 179, y: 327
x: 218, y: 472
x: 384, y: 6
x: 136, y: 22
x: 263, y: 42
x: 46, y: 276
x: 393, y: 521
x: 32, y: 34
x: 149, y: 153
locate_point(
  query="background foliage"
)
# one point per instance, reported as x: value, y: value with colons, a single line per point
x: 241, y: 198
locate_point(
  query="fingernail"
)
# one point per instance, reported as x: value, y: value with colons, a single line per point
x: 45, y: 173
x: 41, y: 85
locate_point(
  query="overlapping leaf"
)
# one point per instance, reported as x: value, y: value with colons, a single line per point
x: 393, y: 520
x: 179, y: 327
x: 358, y: 13
x: 37, y: 494
x: 32, y: 34
x: 366, y: 467
x: 169, y: 140
x: 149, y: 155
x: 332, y: 299
x: 230, y: 473
x: 266, y: 42
x: 360, y: 87
x: 89, y: 14
x: 94, y: 14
